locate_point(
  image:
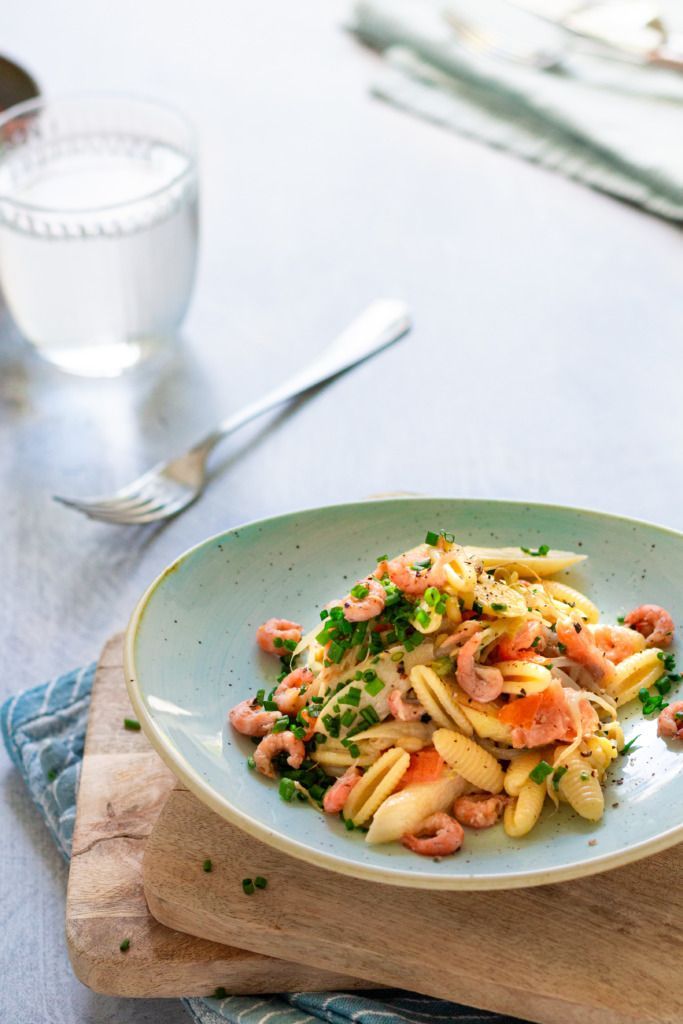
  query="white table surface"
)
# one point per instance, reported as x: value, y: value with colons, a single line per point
x: 547, y: 340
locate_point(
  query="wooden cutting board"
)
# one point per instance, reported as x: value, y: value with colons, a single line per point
x: 123, y: 787
x: 602, y: 950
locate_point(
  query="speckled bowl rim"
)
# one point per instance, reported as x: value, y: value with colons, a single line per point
x: 184, y: 771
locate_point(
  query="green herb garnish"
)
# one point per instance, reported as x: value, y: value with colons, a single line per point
x: 540, y: 772
x: 132, y: 724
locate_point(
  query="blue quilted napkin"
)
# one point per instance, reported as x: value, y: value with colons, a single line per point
x: 44, y: 732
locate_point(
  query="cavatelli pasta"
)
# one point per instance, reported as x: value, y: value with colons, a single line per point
x: 521, y: 815
x: 523, y: 677
x: 518, y: 772
x: 470, y: 760
x: 404, y: 811
x: 488, y: 726
x: 572, y: 599
x: 434, y: 695
x: 581, y: 788
x: 411, y: 736
x: 641, y: 670
x: 377, y: 784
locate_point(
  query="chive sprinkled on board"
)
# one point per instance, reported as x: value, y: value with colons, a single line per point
x: 124, y: 945
x: 260, y: 882
x: 207, y: 865
x: 132, y: 724
x: 220, y: 993
x: 247, y: 886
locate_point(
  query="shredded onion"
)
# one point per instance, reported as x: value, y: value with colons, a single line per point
x: 500, y: 753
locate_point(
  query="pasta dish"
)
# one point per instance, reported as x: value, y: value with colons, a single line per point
x: 453, y: 688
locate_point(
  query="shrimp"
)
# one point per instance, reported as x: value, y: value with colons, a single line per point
x: 250, y: 719
x: 615, y: 642
x: 437, y: 836
x: 359, y: 609
x: 288, y: 696
x: 277, y: 629
x: 654, y: 622
x: 521, y: 645
x: 414, y: 581
x: 275, y: 744
x: 462, y: 633
x: 479, y: 810
x: 670, y: 723
x: 403, y: 710
x: 582, y: 648
x: 481, y: 682
x: 337, y: 794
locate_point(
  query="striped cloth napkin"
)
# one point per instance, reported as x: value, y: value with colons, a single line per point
x: 612, y: 125
x: 44, y: 733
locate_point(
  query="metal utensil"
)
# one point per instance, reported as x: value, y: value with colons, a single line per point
x: 169, y: 487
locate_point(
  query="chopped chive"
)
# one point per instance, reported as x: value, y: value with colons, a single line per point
x: 348, y: 824
x: 442, y: 666
x: 621, y: 619
x: 668, y: 660
x: 124, y: 945
x: 260, y: 882
x: 278, y: 642
x: 557, y: 775
x: 207, y: 865
x: 352, y: 697
x: 335, y: 652
x: 220, y: 993
x: 331, y: 723
x: 369, y: 675
x: 359, y: 591
x: 286, y: 789
x: 542, y: 550
x: 336, y: 613
x: 540, y: 772
x: 324, y: 613
x: 496, y: 607
x: 643, y: 695
x: 560, y: 646
x: 348, y: 717
x: 369, y: 715
x: 353, y: 749
x: 431, y: 538
x: 373, y: 686
x: 290, y: 645
x: 422, y: 617
x: 260, y: 696
x: 282, y: 724
x: 382, y: 558
x: 628, y: 747
x: 298, y: 731
x: 132, y: 724
x: 247, y: 883
x: 584, y: 776
x: 663, y: 685
x: 269, y: 705
x: 251, y: 763
x: 536, y: 642
x: 52, y: 774
x: 678, y: 715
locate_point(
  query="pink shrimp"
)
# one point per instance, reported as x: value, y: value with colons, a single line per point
x: 288, y: 696
x: 479, y: 810
x: 616, y: 642
x: 404, y: 710
x: 413, y: 581
x: 360, y: 609
x: 337, y: 794
x: 481, y: 682
x: 462, y: 633
x: 521, y: 645
x: 653, y: 622
x: 277, y: 629
x: 250, y: 719
x: 275, y: 744
x: 437, y: 836
x: 582, y: 648
x: 670, y: 723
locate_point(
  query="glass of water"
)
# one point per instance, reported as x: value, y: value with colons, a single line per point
x: 98, y: 227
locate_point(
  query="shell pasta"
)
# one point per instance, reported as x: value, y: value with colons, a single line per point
x: 453, y: 688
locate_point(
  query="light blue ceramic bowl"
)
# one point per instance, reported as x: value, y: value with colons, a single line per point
x: 191, y: 655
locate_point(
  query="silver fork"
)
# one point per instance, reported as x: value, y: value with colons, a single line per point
x: 169, y: 487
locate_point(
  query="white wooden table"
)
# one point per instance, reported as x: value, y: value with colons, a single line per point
x: 545, y: 361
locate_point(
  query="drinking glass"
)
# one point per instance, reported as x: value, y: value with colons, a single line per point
x: 98, y: 227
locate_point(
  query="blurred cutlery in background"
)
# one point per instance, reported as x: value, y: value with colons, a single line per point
x: 169, y: 487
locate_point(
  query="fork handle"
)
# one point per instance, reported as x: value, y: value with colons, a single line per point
x: 382, y: 323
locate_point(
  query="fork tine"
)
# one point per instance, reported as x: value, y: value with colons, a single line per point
x: 135, y: 517
x: 128, y: 493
